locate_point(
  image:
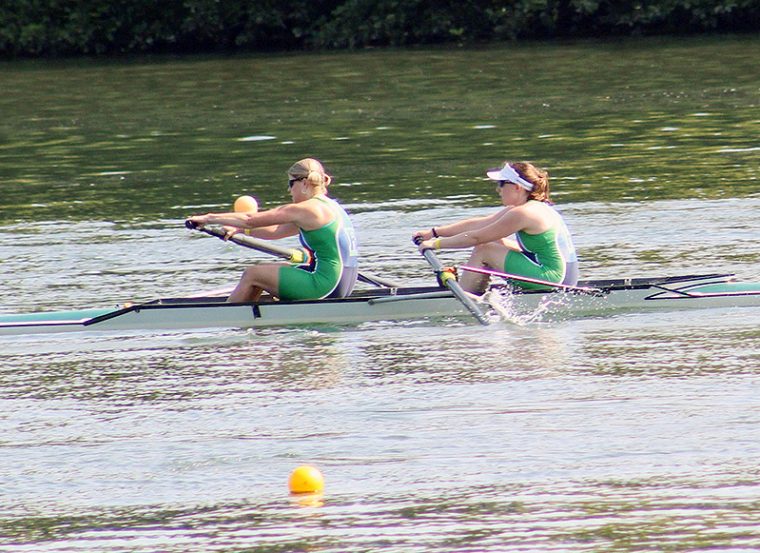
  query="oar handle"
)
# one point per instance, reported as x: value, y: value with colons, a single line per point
x: 448, y: 280
x: 292, y: 255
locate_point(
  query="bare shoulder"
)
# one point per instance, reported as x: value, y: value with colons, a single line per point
x: 537, y: 216
x: 317, y: 206
x: 313, y: 213
x: 524, y: 210
x: 538, y: 209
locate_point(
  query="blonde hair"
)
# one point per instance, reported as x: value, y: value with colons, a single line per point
x: 537, y: 177
x: 311, y: 170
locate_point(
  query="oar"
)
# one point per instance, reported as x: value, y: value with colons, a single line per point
x: 560, y: 286
x: 292, y: 255
x: 450, y: 281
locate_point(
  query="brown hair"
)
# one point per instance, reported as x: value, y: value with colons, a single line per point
x: 311, y: 170
x: 537, y: 177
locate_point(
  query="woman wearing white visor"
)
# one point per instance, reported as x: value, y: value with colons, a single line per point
x: 542, y: 247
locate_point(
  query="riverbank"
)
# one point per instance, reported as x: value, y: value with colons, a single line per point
x: 52, y: 29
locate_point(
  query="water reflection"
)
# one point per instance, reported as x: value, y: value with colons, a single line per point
x: 206, y: 130
x: 571, y: 516
x: 428, y: 435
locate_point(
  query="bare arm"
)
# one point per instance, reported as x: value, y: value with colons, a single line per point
x: 461, y: 226
x: 469, y: 224
x: 271, y: 224
x: 505, y: 223
x: 274, y: 232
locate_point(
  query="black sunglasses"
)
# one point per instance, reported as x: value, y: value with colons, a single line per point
x: 503, y: 183
x: 291, y: 182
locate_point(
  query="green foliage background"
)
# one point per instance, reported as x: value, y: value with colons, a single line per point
x: 94, y: 27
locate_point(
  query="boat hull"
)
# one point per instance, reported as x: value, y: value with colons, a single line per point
x: 598, y: 298
x: 213, y: 313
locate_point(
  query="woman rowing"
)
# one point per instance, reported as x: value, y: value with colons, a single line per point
x: 542, y: 248
x: 324, y: 228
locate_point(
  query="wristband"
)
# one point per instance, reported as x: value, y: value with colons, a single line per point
x: 435, y: 234
x: 437, y: 244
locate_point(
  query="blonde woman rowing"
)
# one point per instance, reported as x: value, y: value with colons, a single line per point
x: 324, y: 229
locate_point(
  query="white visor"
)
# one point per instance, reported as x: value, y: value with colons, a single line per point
x: 508, y: 174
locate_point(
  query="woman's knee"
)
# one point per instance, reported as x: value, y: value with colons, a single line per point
x: 489, y: 254
x: 250, y: 274
x: 260, y: 275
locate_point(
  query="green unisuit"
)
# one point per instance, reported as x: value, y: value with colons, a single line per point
x: 333, y: 250
x: 541, y: 258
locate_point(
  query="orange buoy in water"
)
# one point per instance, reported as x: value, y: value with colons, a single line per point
x: 245, y: 204
x: 306, y: 479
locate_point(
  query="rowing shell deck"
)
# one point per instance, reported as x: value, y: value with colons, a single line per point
x: 597, y: 297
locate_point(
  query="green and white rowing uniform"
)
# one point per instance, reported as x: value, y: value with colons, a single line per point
x: 333, y: 268
x: 549, y: 255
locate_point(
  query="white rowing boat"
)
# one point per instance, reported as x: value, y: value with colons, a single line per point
x: 595, y: 297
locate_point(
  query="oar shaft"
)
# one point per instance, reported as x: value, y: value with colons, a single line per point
x: 455, y: 287
x: 375, y: 280
x: 248, y: 242
x: 292, y: 255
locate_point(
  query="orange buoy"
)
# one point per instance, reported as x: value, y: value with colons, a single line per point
x: 245, y: 204
x: 306, y: 479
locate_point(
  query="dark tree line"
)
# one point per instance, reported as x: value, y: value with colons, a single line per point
x: 97, y: 27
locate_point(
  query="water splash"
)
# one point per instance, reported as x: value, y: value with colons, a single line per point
x: 509, y: 307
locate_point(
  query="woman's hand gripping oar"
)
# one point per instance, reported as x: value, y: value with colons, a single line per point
x: 448, y: 279
x: 291, y: 255
x: 247, y: 204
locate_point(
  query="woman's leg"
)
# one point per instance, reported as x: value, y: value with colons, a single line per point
x: 255, y: 279
x: 491, y: 256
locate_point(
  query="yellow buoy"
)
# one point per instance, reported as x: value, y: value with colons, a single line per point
x: 245, y: 204
x: 306, y: 479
